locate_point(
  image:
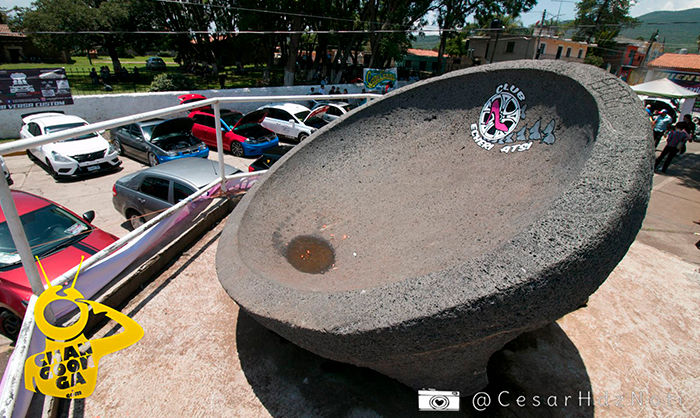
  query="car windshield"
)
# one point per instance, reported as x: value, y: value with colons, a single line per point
x: 48, y: 230
x: 58, y: 128
x: 147, y: 131
x: 302, y: 115
x: 231, y: 119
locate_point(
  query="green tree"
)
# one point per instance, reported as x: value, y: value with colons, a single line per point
x: 73, y: 16
x: 602, y: 20
x: 452, y: 14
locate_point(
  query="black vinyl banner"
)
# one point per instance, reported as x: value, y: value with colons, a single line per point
x: 37, y: 87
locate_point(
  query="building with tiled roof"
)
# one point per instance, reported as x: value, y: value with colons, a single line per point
x: 679, y: 62
x: 17, y: 47
x: 682, y: 69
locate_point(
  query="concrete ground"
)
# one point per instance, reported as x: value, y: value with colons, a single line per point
x: 80, y: 196
x: 632, y: 351
x: 93, y: 193
x: 636, y: 339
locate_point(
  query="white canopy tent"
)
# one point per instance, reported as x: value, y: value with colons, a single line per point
x: 667, y: 88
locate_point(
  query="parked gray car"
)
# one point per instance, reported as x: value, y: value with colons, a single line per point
x: 158, y: 141
x: 143, y: 195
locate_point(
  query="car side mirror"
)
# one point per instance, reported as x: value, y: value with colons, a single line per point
x: 89, y: 215
x: 102, y: 132
x: 291, y: 121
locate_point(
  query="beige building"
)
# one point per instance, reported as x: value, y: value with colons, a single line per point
x: 507, y: 47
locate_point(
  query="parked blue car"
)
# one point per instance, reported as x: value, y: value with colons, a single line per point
x: 158, y: 141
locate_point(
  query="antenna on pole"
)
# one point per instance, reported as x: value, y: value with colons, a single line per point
x: 559, y: 11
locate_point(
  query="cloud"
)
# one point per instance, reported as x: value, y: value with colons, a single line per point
x: 647, y: 6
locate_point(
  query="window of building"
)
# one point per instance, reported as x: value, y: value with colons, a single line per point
x: 510, y: 47
x: 421, y: 65
x: 580, y: 53
x: 408, y: 64
x: 543, y: 48
x: 559, y: 51
x: 568, y: 52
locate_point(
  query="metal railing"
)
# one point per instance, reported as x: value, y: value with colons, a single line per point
x: 14, y: 374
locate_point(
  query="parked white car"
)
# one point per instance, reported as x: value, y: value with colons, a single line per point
x: 87, y: 154
x: 287, y: 120
x: 332, y: 110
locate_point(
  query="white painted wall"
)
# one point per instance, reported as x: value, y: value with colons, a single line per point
x: 98, y: 108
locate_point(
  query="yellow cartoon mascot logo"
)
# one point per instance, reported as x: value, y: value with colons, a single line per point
x: 67, y: 368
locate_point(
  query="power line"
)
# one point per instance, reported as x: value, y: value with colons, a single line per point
x: 246, y: 9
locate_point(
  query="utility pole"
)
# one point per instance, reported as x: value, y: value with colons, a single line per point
x: 537, y: 51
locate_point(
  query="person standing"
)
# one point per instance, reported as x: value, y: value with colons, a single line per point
x: 688, y: 126
x: 661, y: 125
x: 673, y: 143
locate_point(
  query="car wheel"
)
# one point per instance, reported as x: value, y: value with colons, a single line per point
x: 52, y: 172
x: 152, y: 160
x: 303, y: 136
x: 237, y: 149
x: 118, y: 146
x: 135, y: 219
x: 10, y: 324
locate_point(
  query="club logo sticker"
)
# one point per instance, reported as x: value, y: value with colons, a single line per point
x: 499, y: 120
x: 67, y: 368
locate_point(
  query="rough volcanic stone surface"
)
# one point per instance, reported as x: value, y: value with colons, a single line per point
x: 442, y: 250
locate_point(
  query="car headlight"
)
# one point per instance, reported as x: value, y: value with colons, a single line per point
x: 171, y: 153
x: 247, y: 140
x: 111, y: 149
x: 202, y: 147
x: 60, y: 158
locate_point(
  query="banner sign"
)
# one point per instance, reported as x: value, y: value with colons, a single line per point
x: 690, y: 81
x: 38, y: 87
x: 376, y: 79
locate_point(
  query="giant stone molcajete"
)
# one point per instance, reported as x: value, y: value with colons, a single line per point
x: 420, y: 234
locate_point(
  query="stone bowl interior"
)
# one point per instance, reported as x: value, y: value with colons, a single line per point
x: 401, y: 189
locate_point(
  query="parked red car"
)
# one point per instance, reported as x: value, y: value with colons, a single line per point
x: 242, y: 135
x: 189, y: 98
x: 57, y: 236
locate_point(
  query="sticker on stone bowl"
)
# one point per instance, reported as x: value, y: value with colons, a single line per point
x: 499, y: 122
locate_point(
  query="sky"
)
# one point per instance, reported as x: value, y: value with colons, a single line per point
x: 566, y: 9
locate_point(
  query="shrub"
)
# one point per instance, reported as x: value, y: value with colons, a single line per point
x: 164, y: 54
x: 171, y: 82
x: 594, y: 60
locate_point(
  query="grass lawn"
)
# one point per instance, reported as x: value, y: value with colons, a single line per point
x: 82, y: 63
x: 81, y: 83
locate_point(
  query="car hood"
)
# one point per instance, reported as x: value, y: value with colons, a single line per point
x: 77, y: 147
x: 170, y: 126
x: 253, y: 117
x: 60, y: 261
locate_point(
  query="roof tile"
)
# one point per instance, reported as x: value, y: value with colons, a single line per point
x: 690, y: 62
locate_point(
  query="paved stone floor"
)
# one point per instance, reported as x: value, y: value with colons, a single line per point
x: 633, y: 350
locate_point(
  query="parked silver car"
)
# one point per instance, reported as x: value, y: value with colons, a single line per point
x: 143, y: 195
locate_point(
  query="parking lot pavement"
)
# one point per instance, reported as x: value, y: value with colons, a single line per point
x: 91, y: 193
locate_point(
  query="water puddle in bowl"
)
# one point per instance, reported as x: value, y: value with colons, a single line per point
x: 310, y: 254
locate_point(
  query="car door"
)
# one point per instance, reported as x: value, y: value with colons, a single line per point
x: 153, y: 196
x: 204, y: 128
x: 138, y: 143
x: 181, y: 192
x: 280, y: 118
x: 122, y: 135
x: 33, y: 130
